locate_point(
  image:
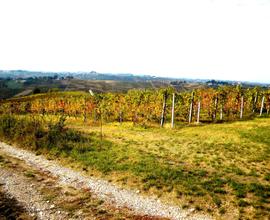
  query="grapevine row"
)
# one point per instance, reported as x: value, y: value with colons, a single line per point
x: 149, y: 106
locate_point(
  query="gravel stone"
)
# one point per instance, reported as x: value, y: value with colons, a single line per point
x: 27, y: 196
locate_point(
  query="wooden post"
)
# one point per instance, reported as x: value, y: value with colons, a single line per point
x: 262, y: 106
x: 267, y: 105
x: 215, y: 111
x: 84, y: 111
x: 101, y: 121
x: 242, y: 107
x: 173, y: 100
x: 255, y: 102
x: 94, y: 113
x: 198, y: 113
x: 162, y: 121
x: 101, y: 125
x: 121, y: 117
x: 221, y: 113
x: 191, y: 108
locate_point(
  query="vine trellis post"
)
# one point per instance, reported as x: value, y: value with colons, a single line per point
x: 198, y: 112
x: 191, y: 108
x: 262, y: 105
x: 84, y: 111
x: 242, y: 107
x: 173, y: 102
x: 162, y: 121
x: 221, y: 112
x: 255, y: 102
x: 215, y: 110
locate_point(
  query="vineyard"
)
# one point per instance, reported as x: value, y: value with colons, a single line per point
x: 148, y: 107
x: 217, y: 168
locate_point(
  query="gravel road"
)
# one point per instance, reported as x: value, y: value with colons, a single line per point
x: 16, y: 186
x: 103, y: 189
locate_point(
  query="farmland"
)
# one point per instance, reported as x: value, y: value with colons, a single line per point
x: 218, y: 167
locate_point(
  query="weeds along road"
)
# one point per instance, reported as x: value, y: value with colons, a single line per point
x: 50, y: 191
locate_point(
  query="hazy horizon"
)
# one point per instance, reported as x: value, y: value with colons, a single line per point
x: 198, y: 39
x: 137, y: 74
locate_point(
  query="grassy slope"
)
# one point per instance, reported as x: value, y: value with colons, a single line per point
x: 224, y: 166
x: 223, y: 169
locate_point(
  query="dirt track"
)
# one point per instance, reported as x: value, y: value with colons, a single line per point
x: 47, y: 176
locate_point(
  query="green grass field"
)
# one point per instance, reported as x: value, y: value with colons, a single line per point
x: 221, y: 169
x: 224, y: 167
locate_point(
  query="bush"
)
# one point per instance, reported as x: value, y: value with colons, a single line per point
x: 7, y: 126
x: 32, y: 133
x: 36, y: 91
x: 55, y: 131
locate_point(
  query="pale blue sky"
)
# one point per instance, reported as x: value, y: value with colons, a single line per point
x: 222, y: 39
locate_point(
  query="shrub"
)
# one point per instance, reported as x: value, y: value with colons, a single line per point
x: 55, y: 131
x: 7, y: 126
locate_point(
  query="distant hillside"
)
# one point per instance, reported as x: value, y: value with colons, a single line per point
x: 22, y: 74
x: 10, y: 87
x: 22, y: 82
x: 126, y: 77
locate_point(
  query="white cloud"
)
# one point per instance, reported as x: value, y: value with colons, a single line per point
x: 196, y: 38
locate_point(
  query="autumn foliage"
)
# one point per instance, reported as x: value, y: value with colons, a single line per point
x: 145, y: 106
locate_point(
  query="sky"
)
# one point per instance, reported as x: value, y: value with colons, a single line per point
x: 214, y: 39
